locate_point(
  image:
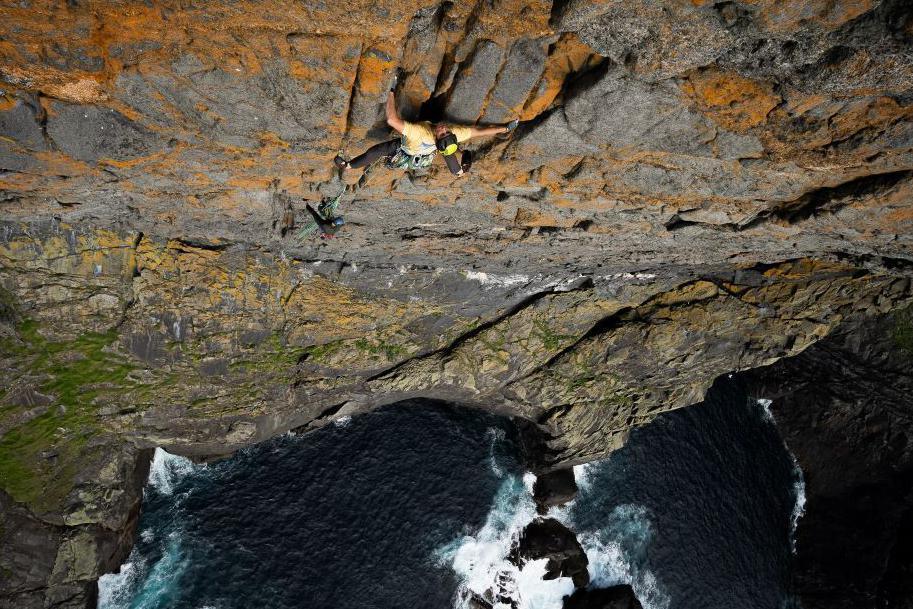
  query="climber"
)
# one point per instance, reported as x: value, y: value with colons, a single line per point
x: 419, y: 142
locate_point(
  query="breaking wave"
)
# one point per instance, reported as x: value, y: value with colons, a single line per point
x: 151, y: 576
x: 480, y: 560
x: 618, y: 553
x: 798, y: 479
x: 167, y: 469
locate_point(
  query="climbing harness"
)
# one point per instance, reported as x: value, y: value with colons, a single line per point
x: 410, y: 162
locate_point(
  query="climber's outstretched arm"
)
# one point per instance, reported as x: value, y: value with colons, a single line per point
x: 486, y: 131
x: 393, y: 118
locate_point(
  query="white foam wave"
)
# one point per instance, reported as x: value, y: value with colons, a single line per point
x: 496, y: 435
x: 583, y: 476
x: 114, y: 589
x: 537, y: 593
x: 480, y: 560
x: 798, y: 479
x: 344, y: 421
x: 799, y: 505
x: 765, y: 406
x: 617, y: 555
x: 137, y: 587
x: 167, y: 470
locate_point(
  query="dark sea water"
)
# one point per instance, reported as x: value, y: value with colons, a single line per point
x: 414, y: 505
x: 697, y: 508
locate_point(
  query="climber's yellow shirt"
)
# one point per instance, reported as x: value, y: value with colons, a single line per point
x: 418, y: 138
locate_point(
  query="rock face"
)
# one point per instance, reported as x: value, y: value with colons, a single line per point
x: 697, y: 188
x: 554, y: 488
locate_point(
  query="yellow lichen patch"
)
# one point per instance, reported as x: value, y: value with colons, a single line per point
x: 803, y: 268
x: 81, y: 89
x: 731, y: 100
x: 533, y: 218
x: 699, y: 290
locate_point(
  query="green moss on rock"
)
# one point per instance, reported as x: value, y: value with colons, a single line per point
x: 391, y: 351
x: 39, y: 454
x: 902, y: 332
x: 550, y: 339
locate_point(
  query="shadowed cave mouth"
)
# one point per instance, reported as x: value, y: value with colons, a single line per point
x: 424, y: 504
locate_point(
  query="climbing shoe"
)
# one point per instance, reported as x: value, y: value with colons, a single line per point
x: 340, y: 162
x: 510, y: 129
x: 466, y: 161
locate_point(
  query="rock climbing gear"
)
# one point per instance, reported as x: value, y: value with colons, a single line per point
x: 447, y: 145
x: 327, y: 212
x: 410, y: 162
x: 328, y: 209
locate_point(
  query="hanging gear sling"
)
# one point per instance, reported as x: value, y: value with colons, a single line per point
x: 328, y: 207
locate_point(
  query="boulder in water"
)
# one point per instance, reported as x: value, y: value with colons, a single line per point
x: 548, y: 538
x: 616, y: 597
x: 556, y: 487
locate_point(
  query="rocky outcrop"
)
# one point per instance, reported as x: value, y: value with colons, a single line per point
x: 554, y: 488
x: 546, y: 538
x: 616, y: 597
x: 696, y: 188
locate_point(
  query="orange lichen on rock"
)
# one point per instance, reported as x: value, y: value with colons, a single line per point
x: 374, y: 68
x: 77, y: 88
x: 870, y: 112
x: 731, y: 100
x: 567, y: 56
x: 783, y: 16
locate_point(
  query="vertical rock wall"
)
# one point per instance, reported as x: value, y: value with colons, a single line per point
x: 696, y: 188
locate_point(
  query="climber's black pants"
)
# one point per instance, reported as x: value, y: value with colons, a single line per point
x: 375, y: 152
x: 388, y: 149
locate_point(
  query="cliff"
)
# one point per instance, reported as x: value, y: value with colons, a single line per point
x: 696, y: 188
x: 843, y: 407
